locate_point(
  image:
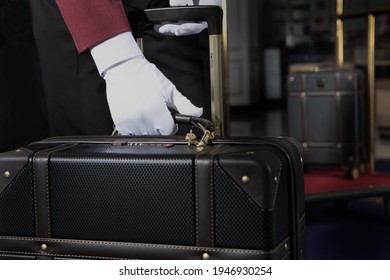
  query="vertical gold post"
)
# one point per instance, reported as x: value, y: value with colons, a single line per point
x: 340, y: 7
x: 217, y: 98
x: 371, y: 88
x: 340, y: 42
x: 225, y: 70
x: 339, y: 33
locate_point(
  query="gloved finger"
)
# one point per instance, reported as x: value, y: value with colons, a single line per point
x: 181, y: 29
x: 181, y: 2
x: 162, y: 132
x: 195, y: 2
x: 191, y: 28
x: 174, y: 99
x: 139, y: 116
x: 208, y: 2
x: 183, y: 105
x: 163, y: 124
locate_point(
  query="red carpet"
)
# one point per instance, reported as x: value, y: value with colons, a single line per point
x: 328, y: 183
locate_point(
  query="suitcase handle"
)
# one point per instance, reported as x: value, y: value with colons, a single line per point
x: 204, y: 124
x: 195, y: 121
x: 211, y: 14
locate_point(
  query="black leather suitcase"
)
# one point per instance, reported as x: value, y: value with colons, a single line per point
x: 152, y: 198
x: 327, y: 114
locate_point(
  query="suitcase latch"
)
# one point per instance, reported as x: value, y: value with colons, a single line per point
x: 207, y: 137
x: 204, y: 124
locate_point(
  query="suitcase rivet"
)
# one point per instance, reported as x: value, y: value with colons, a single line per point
x: 205, y: 256
x: 276, y: 179
x: 43, y: 247
x: 304, y: 145
x: 292, y: 79
x: 246, y: 179
x: 338, y: 93
x: 286, y: 246
x: 7, y: 174
x: 303, y: 94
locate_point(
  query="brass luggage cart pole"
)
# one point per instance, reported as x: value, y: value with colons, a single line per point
x: 340, y: 17
x: 339, y: 33
x: 225, y: 70
x: 371, y: 89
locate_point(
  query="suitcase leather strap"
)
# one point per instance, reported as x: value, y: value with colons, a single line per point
x: 42, y: 190
x: 204, y: 201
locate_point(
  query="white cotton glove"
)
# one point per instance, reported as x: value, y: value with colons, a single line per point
x: 195, y: 3
x: 138, y: 94
x: 183, y: 28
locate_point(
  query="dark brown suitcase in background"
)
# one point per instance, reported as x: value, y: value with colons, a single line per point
x: 326, y: 114
x: 152, y: 198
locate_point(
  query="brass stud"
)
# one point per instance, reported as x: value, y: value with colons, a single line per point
x: 43, y: 247
x: 205, y: 256
x: 286, y: 246
x: 246, y: 179
x: 7, y: 174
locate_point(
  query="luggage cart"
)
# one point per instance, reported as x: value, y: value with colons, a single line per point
x: 332, y: 184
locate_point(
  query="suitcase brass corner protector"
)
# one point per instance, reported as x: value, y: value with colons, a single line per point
x: 11, y: 163
x: 258, y: 175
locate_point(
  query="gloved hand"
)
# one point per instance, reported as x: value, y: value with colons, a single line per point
x: 185, y: 28
x: 138, y: 93
x: 181, y: 28
x: 195, y: 2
